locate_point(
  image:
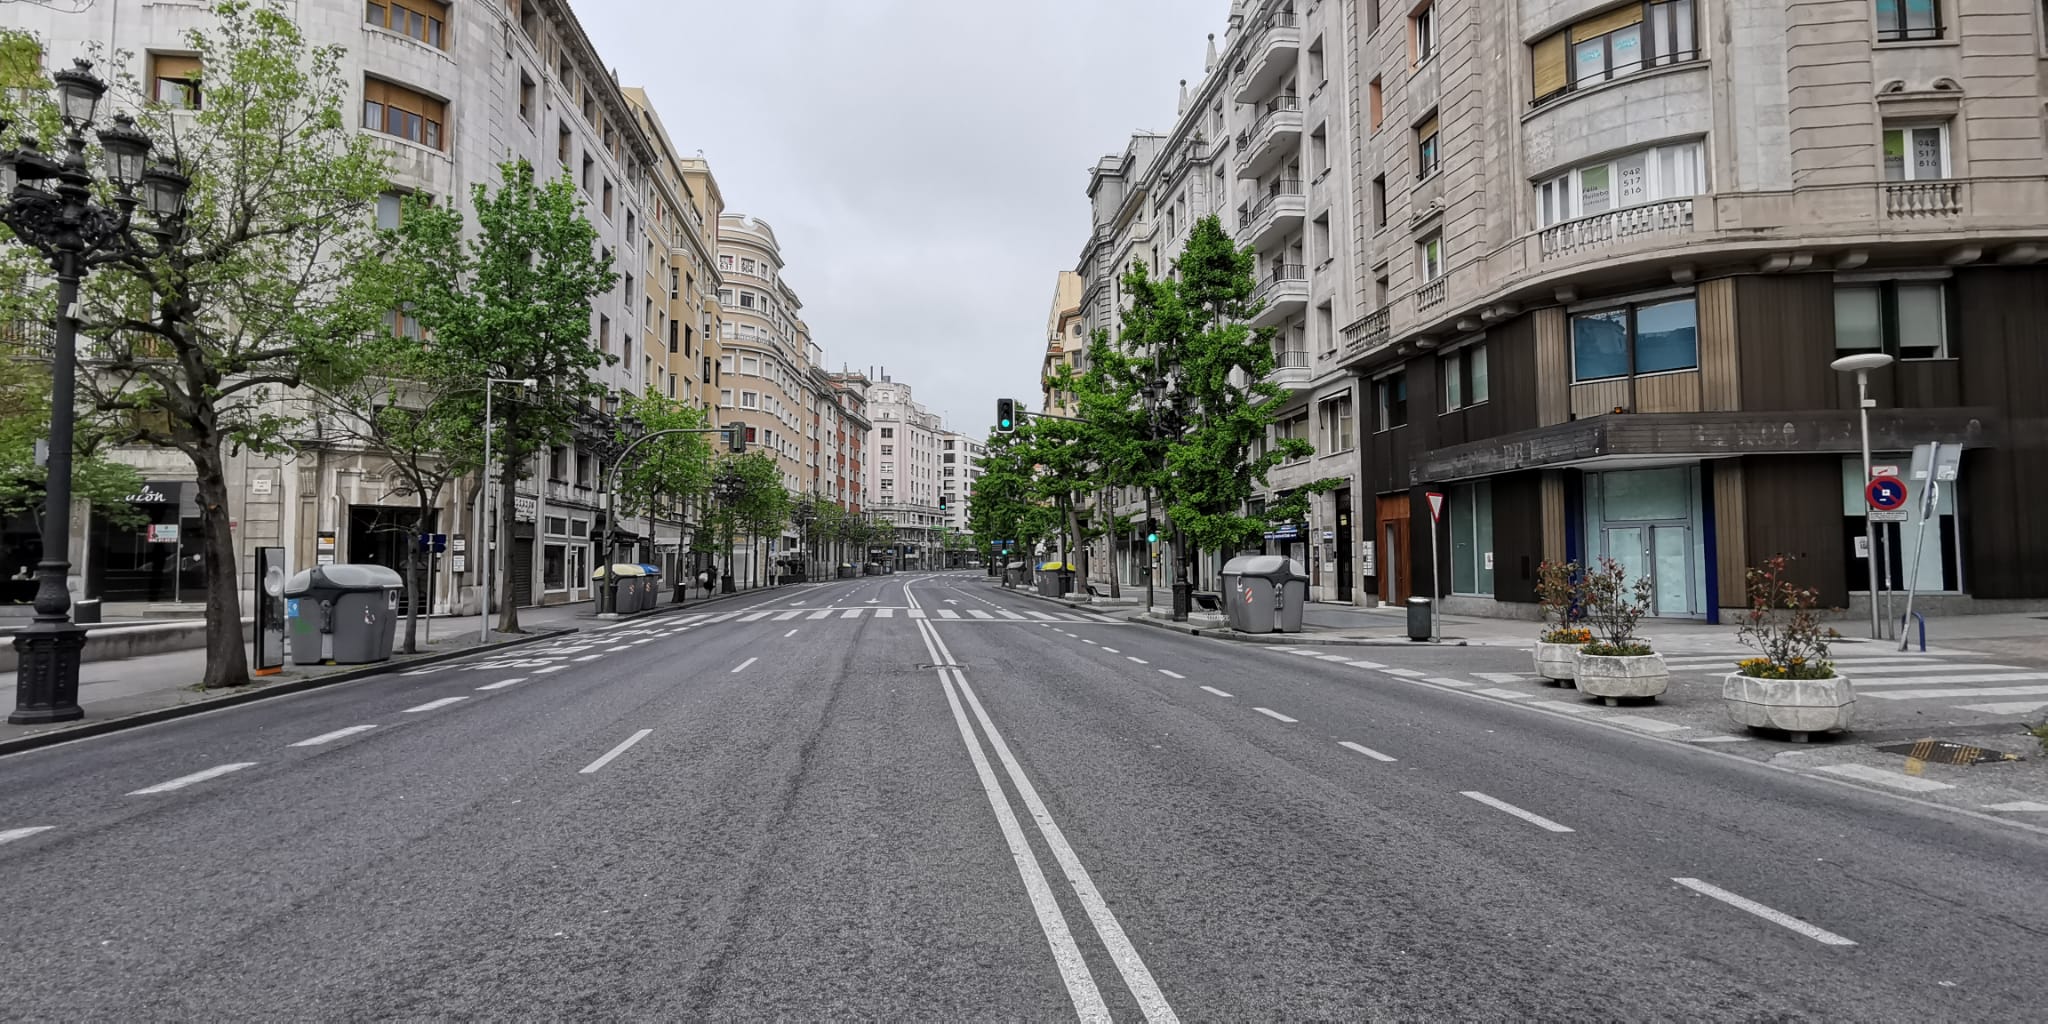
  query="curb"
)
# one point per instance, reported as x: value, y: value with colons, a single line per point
x: 141, y: 718
x: 1096, y: 607
x: 1289, y: 639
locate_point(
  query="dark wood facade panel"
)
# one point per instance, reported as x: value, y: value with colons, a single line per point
x: 1599, y: 398
x: 2003, y: 344
x: 1785, y: 330
x: 1553, y: 367
x: 1667, y: 392
x: 1793, y: 506
x: 1514, y: 379
x: 1518, y: 540
x: 1731, y: 529
x: 1720, y: 362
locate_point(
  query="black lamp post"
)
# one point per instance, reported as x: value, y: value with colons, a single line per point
x: 48, y: 200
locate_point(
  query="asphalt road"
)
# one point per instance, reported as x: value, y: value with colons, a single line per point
x: 791, y: 806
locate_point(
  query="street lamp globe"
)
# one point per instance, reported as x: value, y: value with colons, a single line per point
x: 78, y: 93
x: 163, y: 191
x: 126, y: 149
x: 1862, y: 361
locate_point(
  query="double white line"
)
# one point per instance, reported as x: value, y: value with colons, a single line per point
x: 1073, y: 967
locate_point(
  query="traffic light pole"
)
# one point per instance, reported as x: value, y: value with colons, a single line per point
x: 611, y: 499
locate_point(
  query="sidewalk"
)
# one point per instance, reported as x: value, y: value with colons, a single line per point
x: 134, y: 691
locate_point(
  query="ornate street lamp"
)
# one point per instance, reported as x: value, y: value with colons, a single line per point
x: 48, y: 201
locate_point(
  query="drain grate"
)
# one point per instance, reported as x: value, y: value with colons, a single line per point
x: 1946, y: 752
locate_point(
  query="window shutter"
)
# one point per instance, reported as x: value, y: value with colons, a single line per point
x: 1427, y: 128
x: 184, y: 69
x: 1601, y: 24
x: 1549, y: 66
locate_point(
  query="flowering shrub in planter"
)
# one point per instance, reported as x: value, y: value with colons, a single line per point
x: 1559, y: 595
x: 1792, y: 686
x: 1618, y: 664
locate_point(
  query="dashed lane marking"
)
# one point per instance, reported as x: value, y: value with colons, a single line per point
x: 329, y: 737
x: 1367, y: 751
x: 1501, y: 805
x: 1276, y: 716
x: 1215, y: 691
x: 197, y: 777
x: 434, y: 705
x: 1813, y: 932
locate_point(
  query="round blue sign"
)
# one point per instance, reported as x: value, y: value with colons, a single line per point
x: 1886, y: 493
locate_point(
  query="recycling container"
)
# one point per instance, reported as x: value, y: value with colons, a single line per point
x: 342, y: 614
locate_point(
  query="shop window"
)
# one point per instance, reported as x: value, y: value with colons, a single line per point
x: 555, y: 567
x: 1939, y: 564
x: 1906, y: 319
x: 1470, y: 513
x: 1614, y: 44
x: 1635, y: 339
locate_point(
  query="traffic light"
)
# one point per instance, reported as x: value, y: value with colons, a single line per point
x: 942, y: 503
x: 736, y: 435
x: 1006, y: 415
x: 1151, y: 531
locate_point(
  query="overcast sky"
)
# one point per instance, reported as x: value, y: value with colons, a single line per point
x: 923, y: 162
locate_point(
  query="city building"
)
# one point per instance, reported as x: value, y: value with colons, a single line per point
x: 766, y: 361
x: 904, y: 485
x: 1066, y: 343
x: 1597, y: 260
x: 960, y: 458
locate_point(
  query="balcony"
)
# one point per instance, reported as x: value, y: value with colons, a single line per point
x: 1271, y: 139
x: 1918, y: 199
x: 1274, y: 49
x: 1431, y: 295
x: 1275, y: 216
x: 1615, y: 227
x: 1291, y: 370
x: 1368, y: 334
x: 1285, y: 294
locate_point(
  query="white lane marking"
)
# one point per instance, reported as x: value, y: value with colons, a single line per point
x: 1276, y: 716
x: 1920, y: 679
x: 1008, y: 614
x: 851, y: 613
x: 424, y: 671
x: 590, y: 657
x: 2017, y: 805
x: 1501, y: 805
x: 1137, y: 977
x: 1367, y: 751
x: 755, y: 616
x: 789, y: 634
x: 621, y: 647
x: 186, y: 780
x: 2016, y: 708
x: 1215, y: 691
x: 1817, y: 934
x: 434, y: 704
x: 1042, y: 617
x: 1089, y: 642
x: 1066, y: 955
x: 786, y: 616
x: 1365, y: 664
x: 1306, y: 652
x: 648, y: 640
x: 1071, y: 617
x: 592, y: 767
x: 917, y: 613
x: 1140, y: 661
x: 1405, y: 673
x: 502, y: 683
x: 1111, y: 650
x: 1171, y: 674
x: 1719, y: 739
x: 550, y: 668
x: 978, y: 613
x: 1504, y: 677
x: 329, y: 737
x: 948, y: 613
x: 13, y: 834
x: 1878, y: 776
x: 1503, y: 694
x: 1576, y: 709
x: 721, y: 617
x: 742, y: 666
x: 1448, y: 681
x: 1333, y: 657
x: 1995, y: 691
x: 822, y: 613
x: 1646, y: 724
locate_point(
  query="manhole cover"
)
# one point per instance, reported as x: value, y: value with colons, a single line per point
x: 1945, y: 752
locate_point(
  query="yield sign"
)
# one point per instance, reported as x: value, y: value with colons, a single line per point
x: 1436, y: 506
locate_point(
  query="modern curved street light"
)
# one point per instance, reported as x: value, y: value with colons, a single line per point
x: 49, y: 201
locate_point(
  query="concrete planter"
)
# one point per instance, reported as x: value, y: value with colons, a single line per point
x: 1617, y: 678
x: 1798, y: 707
x: 1557, y: 663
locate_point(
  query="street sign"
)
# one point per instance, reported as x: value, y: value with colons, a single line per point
x: 1436, y: 507
x: 1946, y: 459
x: 1880, y: 469
x: 1886, y: 493
x: 166, y: 533
x: 1897, y: 515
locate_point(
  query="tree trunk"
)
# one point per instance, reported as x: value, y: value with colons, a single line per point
x: 415, y: 580
x: 1109, y: 530
x: 508, y: 479
x: 1080, y: 550
x: 227, y: 662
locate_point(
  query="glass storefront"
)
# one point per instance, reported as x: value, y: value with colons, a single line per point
x: 160, y: 559
x: 1649, y: 521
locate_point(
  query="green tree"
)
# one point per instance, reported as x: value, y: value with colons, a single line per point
x: 195, y: 345
x: 748, y: 498
x: 669, y: 475
x: 513, y: 302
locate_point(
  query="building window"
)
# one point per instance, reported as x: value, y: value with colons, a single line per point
x: 562, y: 143
x: 174, y: 80
x: 604, y: 333
x: 608, y: 197
x: 424, y: 20
x: 1900, y: 20
x: 750, y: 365
x: 1429, y: 258
x: 1907, y: 319
x: 390, y: 210
x: 396, y: 110
x: 1471, y: 530
x: 1422, y: 35
x: 725, y: 398
x: 1635, y: 339
x: 1337, y: 426
x: 1464, y: 377
x: 1613, y: 45
x: 1425, y: 148
x: 750, y: 400
x: 1319, y: 150
x: 1376, y: 101
x: 525, y: 96
x: 1392, y: 400
x: 1379, y: 201
x: 1653, y: 175
x: 888, y: 432
x: 1916, y: 152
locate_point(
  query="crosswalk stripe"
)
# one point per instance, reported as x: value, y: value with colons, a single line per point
x: 786, y: 616
x: 2024, y: 707
x: 1071, y: 617
x: 1008, y: 614
x: 885, y: 613
x: 948, y: 613
x: 851, y: 613
x: 819, y: 614
x: 722, y: 617
x: 1863, y: 682
x: 1855, y: 671
x: 917, y: 613
x: 979, y: 614
x: 755, y: 617
x: 1503, y: 677
x: 1989, y: 691
x: 1043, y: 617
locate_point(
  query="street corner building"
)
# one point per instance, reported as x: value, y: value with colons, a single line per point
x: 1582, y: 268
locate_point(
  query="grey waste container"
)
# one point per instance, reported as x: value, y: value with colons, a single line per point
x: 1264, y: 593
x: 1419, y: 624
x: 1016, y: 574
x: 650, y: 586
x: 342, y: 614
x: 846, y: 572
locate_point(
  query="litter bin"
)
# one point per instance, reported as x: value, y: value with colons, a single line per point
x: 342, y: 614
x: 1055, y: 579
x: 650, y: 586
x: 632, y: 588
x: 85, y: 611
x: 1264, y: 593
x: 1016, y: 574
x: 1419, y: 618
x: 846, y: 572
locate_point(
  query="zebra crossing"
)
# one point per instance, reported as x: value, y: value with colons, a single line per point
x: 806, y: 614
x: 1956, y: 678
